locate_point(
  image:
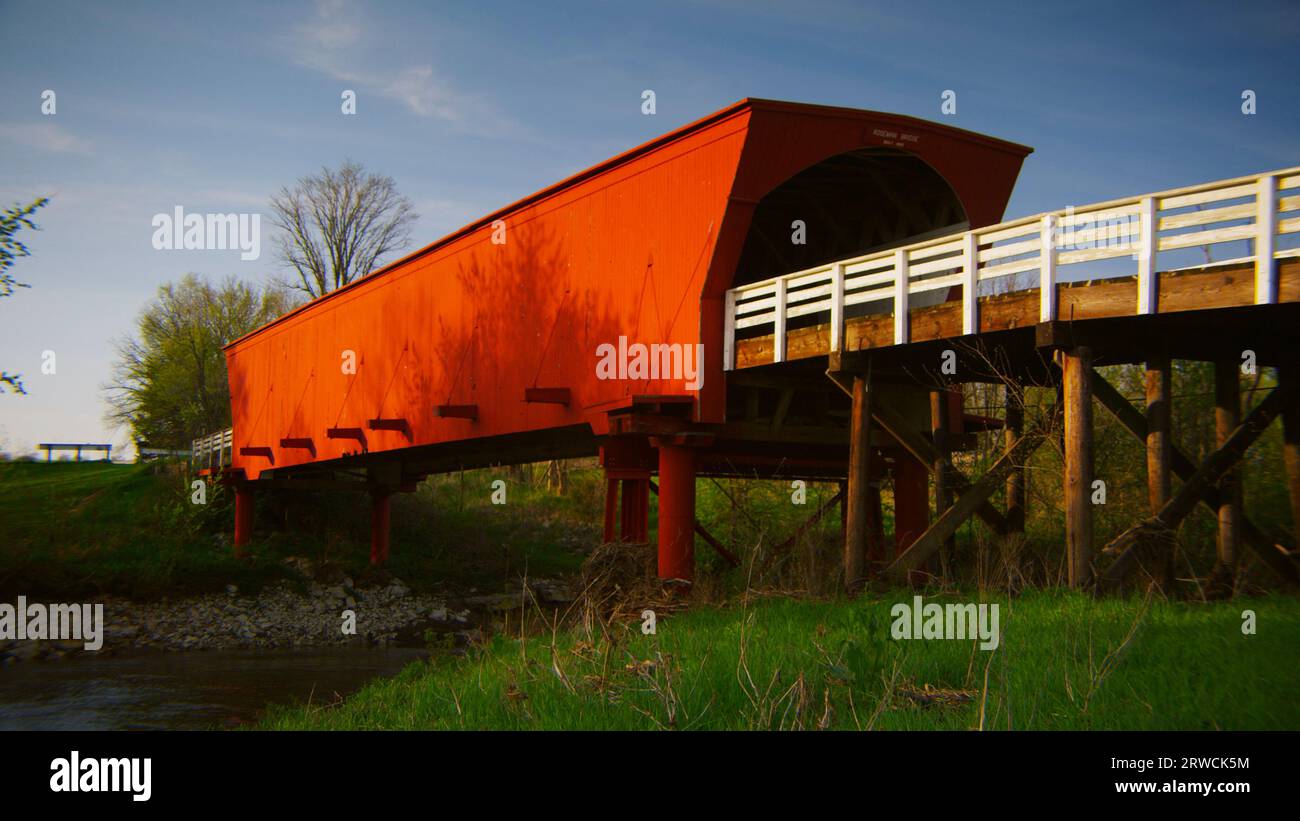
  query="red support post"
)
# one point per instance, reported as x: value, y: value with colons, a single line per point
x: 379, y: 509
x: 611, y: 508
x: 676, y: 512
x: 635, y: 524
x: 911, y: 501
x: 243, y: 517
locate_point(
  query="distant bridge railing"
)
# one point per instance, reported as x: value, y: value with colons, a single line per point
x: 213, y: 451
x: 1246, y: 208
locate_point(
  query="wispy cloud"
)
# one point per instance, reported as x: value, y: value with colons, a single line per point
x: 338, y: 43
x: 45, y: 137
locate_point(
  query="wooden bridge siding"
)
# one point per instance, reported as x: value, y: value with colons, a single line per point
x: 643, y: 246
x: 1178, y: 291
x: 575, y: 271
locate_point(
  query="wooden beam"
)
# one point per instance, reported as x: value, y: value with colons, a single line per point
x: 915, y: 443
x: 395, y: 424
x: 858, y: 524
x: 1159, y: 439
x: 345, y: 433
x: 1227, y: 417
x: 1127, y: 547
x: 1012, y: 429
x: 942, y: 491
x: 456, y: 411
x: 968, y: 504
x: 299, y: 443
x: 919, y: 446
x: 1256, y: 539
x: 1158, y: 434
x: 547, y: 396
x: 1076, y: 365
x: 258, y: 450
x: 803, y: 528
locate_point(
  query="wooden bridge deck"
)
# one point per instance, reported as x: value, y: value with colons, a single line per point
x: 1009, y: 276
x: 1224, y: 285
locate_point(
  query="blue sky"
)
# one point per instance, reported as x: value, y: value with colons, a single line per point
x: 469, y: 106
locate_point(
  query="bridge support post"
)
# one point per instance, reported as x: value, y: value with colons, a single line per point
x: 1227, y: 416
x: 1159, y: 444
x: 1012, y: 428
x: 858, y: 513
x: 629, y: 462
x: 635, y: 523
x: 939, y: 412
x: 379, y: 518
x: 611, y: 508
x: 1076, y: 392
x: 676, y: 512
x: 911, y: 503
x: 243, y: 517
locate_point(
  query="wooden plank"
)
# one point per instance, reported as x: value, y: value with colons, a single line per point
x: 1210, y: 192
x: 1208, y: 217
x: 1209, y: 237
x: 1076, y: 367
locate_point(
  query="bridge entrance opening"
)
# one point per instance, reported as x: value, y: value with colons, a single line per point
x: 850, y: 204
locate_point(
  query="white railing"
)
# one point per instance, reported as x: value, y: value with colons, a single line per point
x: 1246, y: 208
x: 214, y: 450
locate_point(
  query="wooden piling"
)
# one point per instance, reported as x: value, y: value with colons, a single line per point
x: 1077, y: 395
x: 1158, y: 432
x: 1012, y: 428
x: 857, y: 524
x: 943, y: 450
x: 1227, y: 416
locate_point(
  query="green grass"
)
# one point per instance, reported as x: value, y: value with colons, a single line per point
x: 1066, y: 662
x: 85, y: 529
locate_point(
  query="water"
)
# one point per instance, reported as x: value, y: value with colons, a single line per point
x: 192, y: 690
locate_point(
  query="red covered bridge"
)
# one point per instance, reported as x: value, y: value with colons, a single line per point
x: 766, y: 237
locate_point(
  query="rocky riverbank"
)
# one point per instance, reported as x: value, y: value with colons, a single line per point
x: 309, y: 613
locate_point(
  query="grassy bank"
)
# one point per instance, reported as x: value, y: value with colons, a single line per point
x: 1066, y: 661
x: 75, y: 530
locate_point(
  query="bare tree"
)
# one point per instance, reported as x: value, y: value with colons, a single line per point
x: 336, y: 225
